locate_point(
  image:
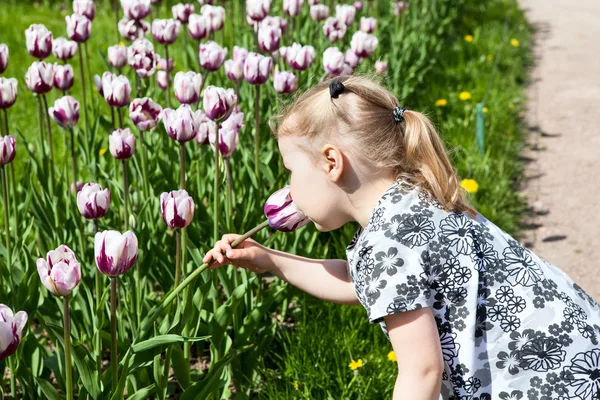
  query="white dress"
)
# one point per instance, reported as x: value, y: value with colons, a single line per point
x: 511, y: 325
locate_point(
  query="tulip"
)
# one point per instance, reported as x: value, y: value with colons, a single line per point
x: 60, y: 272
x: 333, y: 60
x: 257, y: 10
x: 239, y: 54
x: 275, y: 22
x: 116, y: 89
x: 79, y: 28
x: 257, y: 68
x: 132, y: 29
x: 39, y: 41
x: 215, y: 15
x: 64, y: 49
x: 400, y: 8
x: 163, y: 64
x: 363, y: 44
x: 92, y: 201
x: 161, y: 80
x: 40, y: 77
x: 3, y: 57
x: 212, y: 55
x: 300, y: 57
x: 346, y: 70
x: 98, y: 84
x: 117, y: 56
x: 345, y: 13
x: 182, y: 12
x: 269, y: 37
x: 65, y: 111
x: 8, y: 149
x: 63, y: 76
x: 358, y: 5
x: 199, y: 26
x: 319, y: 12
x: 177, y: 208
x: 144, y: 113
x: 292, y: 7
x: 217, y: 102
x: 136, y: 9
x: 313, y: 2
x: 282, y: 213
x: 11, y: 330
x: 141, y: 57
x: 206, y: 127
x: 381, y: 67
x: 76, y: 186
x: 234, y: 70
x: 352, y: 59
x: 228, y: 134
x: 121, y: 144
x: 8, y: 92
x: 187, y: 86
x: 368, y: 25
x: 165, y: 31
x: 334, y: 29
x: 180, y: 124
x: 87, y: 8
x: 284, y: 82
x: 115, y: 253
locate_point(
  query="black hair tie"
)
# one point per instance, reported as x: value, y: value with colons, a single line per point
x: 336, y: 88
x: 399, y: 114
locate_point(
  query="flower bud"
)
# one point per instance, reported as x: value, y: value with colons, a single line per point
x: 8, y: 92
x: 269, y: 37
x: 165, y: 31
x: 199, y: 26
x: 334, y: 29
x: 187, y: 87
x: 358, y: 5
x: 206, y: 127
x: 65, y: 111
x: 11, y: 330
x: 144, y: 113
x: 182, y: 12
x: 132, y: 29
x: 40, y: 77
x: 282, y: 213
x: 400, y: 8
x: 177, y: 208
x: 257, y: 10
x: 115, y: 253
x: 3, y: 57
x: 217, y: 102
x: 363, y: 44
x: 381, y: 67
x: 212, y: 55
x: 333, y: 60
x: 345, y: 13
x: 368, y: 25
x: 60, y: 272
x: 117, y: 56
x: 300, y: 57
x: 79, y: 28
x: 63, y: 76
x: 284, y: 82
x: 39, y: 41
x: 136, y: 9
x: 121, y: 144
x: 141, y: 57
x: 116, y: 89
x: 64, y: 49
x: 319, y: 12
x: 8, y: 149
x: 292, y: 7
x: 228, y: 134
x: 257, y: 68
x: 161, y: 79
x: 215, y: 16
x: 181, y: 124
x: 92, y: 201
x: 87, y: 8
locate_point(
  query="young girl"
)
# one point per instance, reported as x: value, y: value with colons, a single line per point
x: 469, y: 311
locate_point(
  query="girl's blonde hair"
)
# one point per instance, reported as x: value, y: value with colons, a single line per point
x: 412, y: 149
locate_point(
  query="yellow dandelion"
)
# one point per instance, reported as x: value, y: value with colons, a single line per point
x: 490, y: 57
x: 121, y: 44
x: 158, y: 68
x: 485, y: 110
x: 296, y: 385
x: 511, y: 106
x: 441, y: 102
x: 470, y: 185
x: 103, y: 150
x: 468, y: 38
x: 355, y: 364
x: 464, y: 96
x: 514, y: 42
x: 392, y: 356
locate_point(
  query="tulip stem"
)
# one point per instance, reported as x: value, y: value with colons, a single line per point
x: 49, y: 131
x: 87, y: 66
x: 204, y: 79
x: 257, y: 135
x: 98, y: 314
x: 73, y: 157
x: 113, y: 332
x: 112, y: 118
x: 229, y: 194
x: 68, y: 348
x: 182, y: 165
x: 185, y: 52
x: 5, y: 122
x: 144, y: 165
x: 216, y: 188
x: 14, y: 201
x: 7, y: 231
x: 120, y: 117
x: 168, y: 95
x: 116, y: 7
x: 125, y: 195
x: 83, y: 94
x: 177, y: 258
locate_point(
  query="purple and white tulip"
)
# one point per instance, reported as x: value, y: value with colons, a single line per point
x: 352, y: 59
x: 116, y: 89
x: 98, y: 84
x: 3, y: 57
x: 228, y: 134
x: 65, y: 111
x: 117, y: 56
x: 319, y: 12
x: 234, y: 70
x: 136, y: 9
x: 115, y: 253
x: 257, y: 10
x: 333, y: 60
x: 368, y: 25
x: 141, y: 57
x: 269, y: 37
x: 182, y: 12
x: 239, y: 54
x: 284, y: 82
x: 187, y: 87
x: 132, y: 29
x: 345, y: 13
x: 8, y: 149
x: 177, y: 208
x: 217, y: 102
x: 144, y: 113
x: 212, y: 55
x: 11, y: 330
x: 60, y: 271
x: 63, y: 76
x: 300, y: 57
x: 64, y: 49
x: 40, y: 77
x: 8, y: 92
x: 206, y: 127
x: 257, y: 68
x: 358, y: 5
x: 161, y: 79
x: 121, y: 144
x: 381, y: 67
x: 181, y: 124
x: 199, y: 26
x: 292, y: 7
x: 79, y: 28
x: 215, y: 15
x: 363, y: 44
x: 93, y: 201
x: 38, y: 40
x: 334, y: 29
x: 165, y: 31
x: 87, y: 8
x: 282, y: 213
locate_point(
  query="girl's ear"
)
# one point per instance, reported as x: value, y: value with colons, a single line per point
x: 333, y: 161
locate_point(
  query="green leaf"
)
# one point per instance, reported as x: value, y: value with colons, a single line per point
x: 180, y: 367
x: 142, y: 394
x: 48, y: 389
x: 162, y: 340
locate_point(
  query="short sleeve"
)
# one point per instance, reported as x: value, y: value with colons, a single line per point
x: 393, y: 277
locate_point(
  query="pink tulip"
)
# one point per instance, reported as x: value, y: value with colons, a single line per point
x: 363, y: 44
x: 161, y: 79
x: 40, y: 77
x: 65, y: 111
x: 234, y: 70
x: 300, y: 57
x: 217, y: 102
x: 187, y: 87
x: 319, y: 12
x: 76, y: 186
x: 199, y: 26
x: 352, y: 59
x: 64, y: 49
x: 256, y: 10
x: 182, y: 12
x: 39, y: 41
x: 8, y: 92
x: 345, y: 13
x: 63, y: 76
x: 11, y: 330
x: 292, y: 7
x: 257, y: 68
x: 92, y: 201
x: 121, y: 144
x: 333, y: 60
x: 228, y: 134
x: 116, y: 89
x: 181, y: 124
x: 165, y: 31
x: 212, y: 55
x: 284, y: 82
x: 163, y: 64
x: 269, y: 37
x: 132, y: 29
x: 87, y: 8
x: 177, y: 208
x: 3, y: 57
x: 334, y: 29
x: 215, y: 16
x: 8, y: 149
x: 400, y: 8
x: 282, y: 213
x: 136, y: 9
x: 206, y: 127
x: 368, y: 25
x: 141, y: 57
x: 358, y: 5
x: 117, y: 56
x: 381, y: 67
x: 144, y: 113
x: 115, y: 253
x: 79, y: 28
x: 60, y: 272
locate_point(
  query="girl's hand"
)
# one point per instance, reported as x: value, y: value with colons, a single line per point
x: 249, y: 254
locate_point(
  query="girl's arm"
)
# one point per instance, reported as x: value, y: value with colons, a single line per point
x: 416, y: 343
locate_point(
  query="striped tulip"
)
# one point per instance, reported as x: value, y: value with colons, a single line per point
x: 165, y: 31
x: 181, y: 124
x: 8, y: 149
x: 121, y: 144
x: 38, y: 40
x: 144, y: 113
x: 282, y: 213
x: 212, y: 55
x: 65, y: 111
x: 228, y: 134
x: 40, y: 77
x: 8, y: 92
x: 182, y: 12
x: 92, y: 201
x: 79, y: 28
x: 64, y: 49
x: 63, y: 76
x: 11, y: 330
x: 217, y: 102
x: 257, y: 68
x: 115, y: 253
x: 186, y: 86
x: 177, y: 208
x: 87, y: 8
x: 284, y: 82
x: 60, y: 272
x: 3, y: 57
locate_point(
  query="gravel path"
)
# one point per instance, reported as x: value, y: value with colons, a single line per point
x: 563, y: 152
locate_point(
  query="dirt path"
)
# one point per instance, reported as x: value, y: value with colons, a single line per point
x: 563, y: 156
